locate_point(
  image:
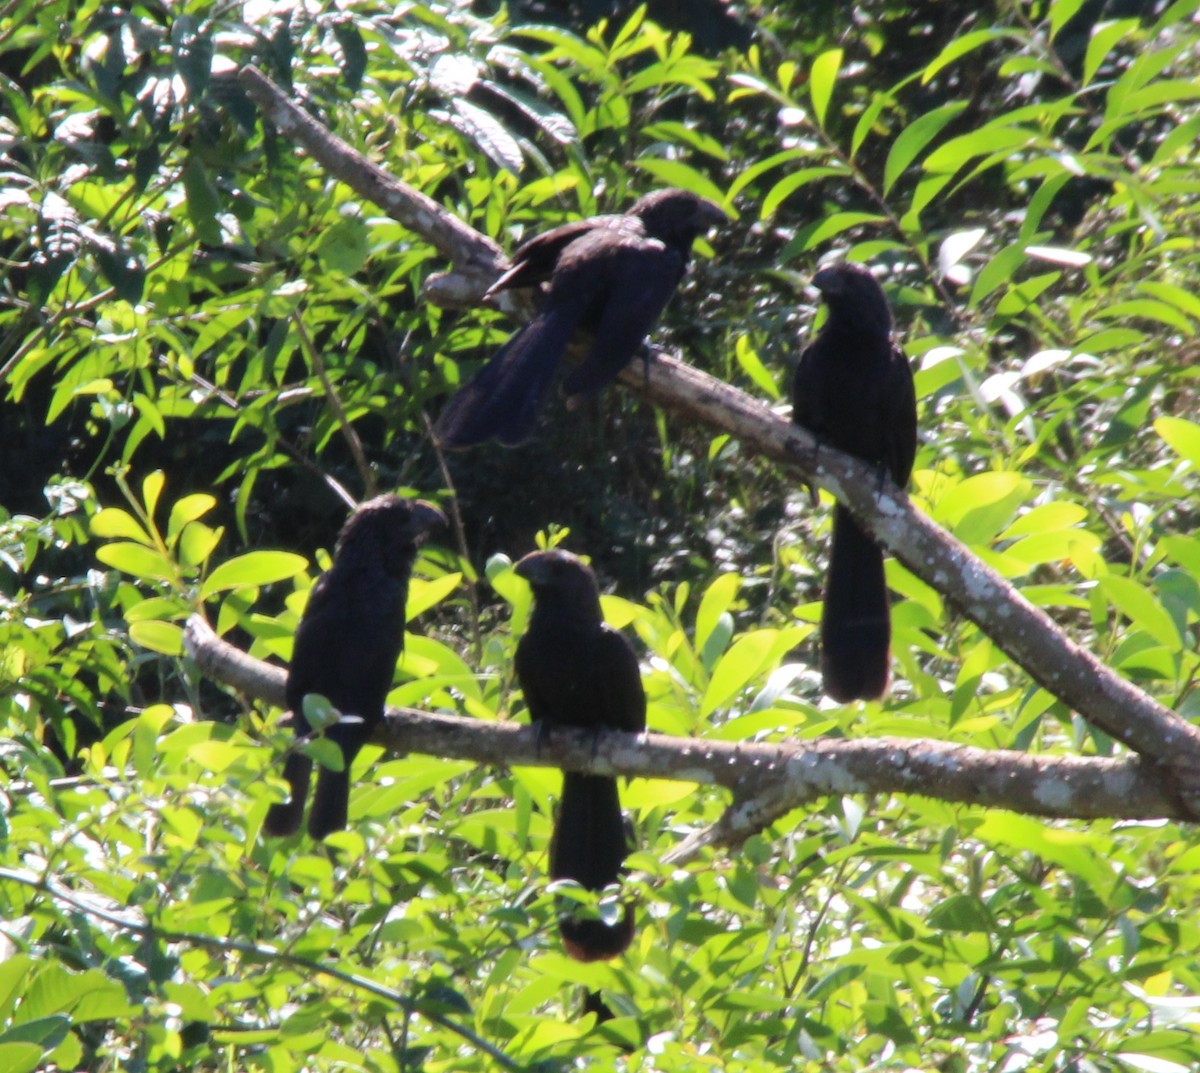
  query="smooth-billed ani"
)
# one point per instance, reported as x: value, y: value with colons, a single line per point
x: 609, y: 276
x: 346, y: 647
x: 853, y: 389
x: 575, y: 671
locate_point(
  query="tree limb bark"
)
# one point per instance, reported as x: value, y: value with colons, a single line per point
x: 1026, y: 634
x: 767, y: 780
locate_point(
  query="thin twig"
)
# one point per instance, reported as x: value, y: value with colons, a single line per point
x: 335, y: 404
x: 460, y: 534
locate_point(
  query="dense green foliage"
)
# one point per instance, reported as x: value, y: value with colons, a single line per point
x: 1025, y: 176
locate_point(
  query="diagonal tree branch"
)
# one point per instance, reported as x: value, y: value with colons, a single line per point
x: 1026, y: 634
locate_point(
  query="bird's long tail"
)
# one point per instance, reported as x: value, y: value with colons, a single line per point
x: 331, y: 801
x: 589, y: 847
x: 502, y: 401
x: 284, y: 819
x: 856, y: 622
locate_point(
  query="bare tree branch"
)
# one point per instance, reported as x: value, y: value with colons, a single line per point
x: 476, y: 258
x: 768, y: 780
x: 335, y: 404
x: 1026, y: 634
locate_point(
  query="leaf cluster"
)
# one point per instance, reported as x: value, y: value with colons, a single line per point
x: 1023, y: 176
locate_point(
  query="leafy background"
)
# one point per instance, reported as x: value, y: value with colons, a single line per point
x: 1024, y: 177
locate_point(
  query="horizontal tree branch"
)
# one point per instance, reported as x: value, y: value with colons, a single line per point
x: 768, y: 780
x: 1026, y: 634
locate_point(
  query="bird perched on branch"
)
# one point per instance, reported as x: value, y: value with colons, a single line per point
x: 347, y: 644
x: 853, y: 389
x: 608, y: 276
x: 575, y: 671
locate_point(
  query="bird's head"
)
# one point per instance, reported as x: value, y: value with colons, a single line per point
x: 677, y: 216
x: 853, y: 294
x: 389, y: 527
x: 558, y: 573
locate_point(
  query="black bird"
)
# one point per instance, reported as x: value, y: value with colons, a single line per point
x: 853, y: 390
x: 609, y: 276
x: 347, y: 644
x: 577, y: 672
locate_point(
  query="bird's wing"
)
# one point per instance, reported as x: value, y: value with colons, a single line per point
x: 321, y: 616
x: 901, y: 418
x: 806, y: 383
x: 620, y: 682
x: 534, y: 260
x: 344, y: 647
x: 640, y: 277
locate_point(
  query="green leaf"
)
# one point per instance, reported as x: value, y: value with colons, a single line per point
x: 20, y: 1057
x: 1001, y: 269
x: 137, y: 560
x: 152, y: 488
x: 46, y: 1032
x: 13, y: 973
x: 113, y: 522
x: 1070, y: 850
x: 187, y: 510
x: 1143, y: 609
x: 157, y: 636
x: 821, y: 81
x: 958, y: 48
x: 746, y: 658
x: 1046, y: 517
x: 197, y: 543
x: 1062, y: 12
x: 836, y: 223
x: 976, y: 509
x: 677, y: 173
x: 718, y: 598
x: 319, y: 711
x: 215, y: 756
x: 55, y: 990
x: 751, y: 364
x: 253, y: 569
x: 203, y: 202
x: 792, y: 182
x: 866, y: 122
x: 1182, y: 436
x: 1104, y: 36
x: 422, y: 594
x: 101, y: 999
x: 954, y: 154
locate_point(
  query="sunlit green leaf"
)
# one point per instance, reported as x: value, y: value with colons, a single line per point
x: 137, y: 560
x: 113, y: 522
x: 1142, y: 608
x: 422, y: 594
x: 913, y: 139
x: 821, y: 81
x: 164, y: 637
x: 717, y: 599
x: 253, y: 568
x: 1182, y: 435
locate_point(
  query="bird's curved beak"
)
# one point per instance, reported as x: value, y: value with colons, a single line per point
x: 426, y: 516
x: 710, y: 214
x: 828, y: 282
x: 531, y: 567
